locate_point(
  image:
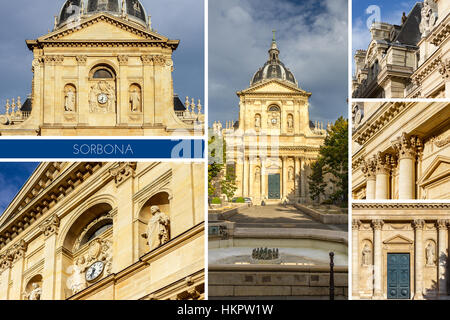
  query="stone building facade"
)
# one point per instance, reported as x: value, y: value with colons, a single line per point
x: 102, y: 71
x: 105, y: 231
x: 410, y: 60
x: 401, y: 150
x: 274, y: 142
x: 400, y: 251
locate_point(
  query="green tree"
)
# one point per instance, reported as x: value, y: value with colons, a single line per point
x: 333, y: 159
x: 316, y: 182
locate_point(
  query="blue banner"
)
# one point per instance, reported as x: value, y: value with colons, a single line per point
x: 101, y: 149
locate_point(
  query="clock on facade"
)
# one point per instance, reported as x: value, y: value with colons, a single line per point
x: 274, y: 121
x: 102, y: 98
x: 94, y: 271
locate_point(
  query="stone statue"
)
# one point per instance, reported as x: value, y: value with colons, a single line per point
x: 291, y: 174
x: 70, y: 100
x: 366, y: 255
x: 257, y: 122
x: 78, y: 281
x: 135, y: 100
x: 429, y: 17
x: 257, y: 173
x: 158, y: 228
x: 35, y: 293
x: 430, y: 254
x: 93, y: 98
x: 290, y: 122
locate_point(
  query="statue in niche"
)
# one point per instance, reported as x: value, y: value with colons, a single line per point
x: 35, y: 293
x: 77, y: 280
x: 69, y: 100
x: 258, y: 121
x: 366, y: 255
x: 430, y: 254
x: 257, y: 173
x: 135, y: 100
x: 291, y: 174
x: 158, y: 228
x: 290, y: 122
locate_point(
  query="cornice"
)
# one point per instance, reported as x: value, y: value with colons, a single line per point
x: 441, y: 32
x: 444, y: 206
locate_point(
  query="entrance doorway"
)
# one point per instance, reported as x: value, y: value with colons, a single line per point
x: 398, y: 276
x: 274, y: 186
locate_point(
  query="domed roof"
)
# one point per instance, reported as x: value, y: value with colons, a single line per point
x: 273, y: 69
x: 75, y: 9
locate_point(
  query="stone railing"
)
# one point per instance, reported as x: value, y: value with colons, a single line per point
x: 193, y: 113
x: 13, y: 113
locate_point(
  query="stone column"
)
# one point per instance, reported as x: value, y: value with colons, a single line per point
x: 302, y: 180
x: 442, y: 256
x: 5, y: 277
x: 383, y: 168
x: 245, y: 177
x: 50, y: 229
x: 369, y: 170
x: 17, y: 270
x: 123, y: 105
x: 284, y: 178
x: 377, y: 225
x: 297, y: 172
x: 263, y: 178
x: 148, y: 90
x: 123, y: 244
x: 418, y: 225
x: 251, y: 178
x: 83, y: 95
x: 355, y: 257
x: 407, y: 148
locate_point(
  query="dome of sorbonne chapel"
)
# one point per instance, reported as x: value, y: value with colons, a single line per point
x: 274, y: 68
x: 74, y: 9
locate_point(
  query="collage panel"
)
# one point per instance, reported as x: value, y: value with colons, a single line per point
x: 400, y: 49
x: 104, y: 69
x: 278, y: 166
x: 102, y: 231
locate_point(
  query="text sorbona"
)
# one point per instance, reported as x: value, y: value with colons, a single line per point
x: 102, y: 149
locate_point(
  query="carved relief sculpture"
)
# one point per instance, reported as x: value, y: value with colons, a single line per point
x: 429, y: 17
x: 77, y: 280
x: 158, y: 228
x: 102, y: 97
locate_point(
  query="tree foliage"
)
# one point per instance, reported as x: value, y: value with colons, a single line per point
x: 333, y: 160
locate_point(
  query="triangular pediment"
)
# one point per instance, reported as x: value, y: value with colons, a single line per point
x: 274, y: 87
x: 398, y: 239
x: 104, y: 27
x: 438, y: 169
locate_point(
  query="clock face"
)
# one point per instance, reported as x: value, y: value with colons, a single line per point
x: 274, y: 121
x: 102, y: 98
x: 94, y: 271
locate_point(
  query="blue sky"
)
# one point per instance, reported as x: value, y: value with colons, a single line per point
x: 312, y: 38
x: 12, y: 177
x: 385, y: 10
x: 177, y: 19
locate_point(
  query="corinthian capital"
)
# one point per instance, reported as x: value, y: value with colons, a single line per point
x: 407, y: 147
x: 384, y: 163
x: 123, y: 171
x: 418, y: 224
x: 369, y: 168
x: 377, y: 224
x: 444, y: 69
x: 356, y: 224
x: 50, y: 226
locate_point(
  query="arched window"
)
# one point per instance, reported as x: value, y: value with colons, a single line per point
x: 103, y: 74
x: 96, y: 231
x: 274, y: 109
